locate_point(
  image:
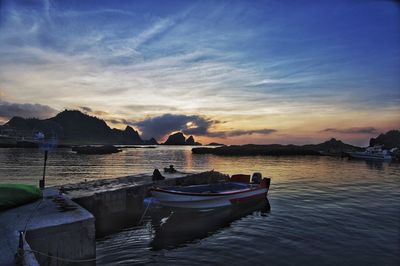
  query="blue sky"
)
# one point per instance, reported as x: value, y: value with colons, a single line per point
x: 277, y: 71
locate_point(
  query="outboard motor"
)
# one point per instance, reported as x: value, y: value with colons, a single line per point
x: 256, y: 178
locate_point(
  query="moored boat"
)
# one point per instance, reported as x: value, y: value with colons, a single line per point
x: 239, y: 189
x: 372, y: 153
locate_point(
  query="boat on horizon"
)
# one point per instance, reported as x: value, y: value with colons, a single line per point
x: 239, y: 189
x: 372, y: 153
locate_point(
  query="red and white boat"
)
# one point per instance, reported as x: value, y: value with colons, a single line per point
x: 239, y: 189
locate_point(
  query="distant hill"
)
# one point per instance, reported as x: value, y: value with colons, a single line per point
x: 180, y: 139
x: 389, y: 140
x: 331, y: 147
x: 80, y: 128
x: 215, y: 144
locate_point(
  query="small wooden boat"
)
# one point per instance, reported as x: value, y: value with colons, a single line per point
x: 239, y: 189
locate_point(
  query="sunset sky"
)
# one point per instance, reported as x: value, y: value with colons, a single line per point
x: 234, y: 72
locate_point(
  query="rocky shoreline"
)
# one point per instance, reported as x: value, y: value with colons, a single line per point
x: 332, y: 147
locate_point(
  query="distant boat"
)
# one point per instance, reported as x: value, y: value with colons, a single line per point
x: 239, y: 189
x: 106, y: 149
x: 373, y: 153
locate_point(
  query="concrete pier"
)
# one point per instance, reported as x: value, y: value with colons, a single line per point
x: 61, y: 228
x: 58, y: 231
x: 118, y: 203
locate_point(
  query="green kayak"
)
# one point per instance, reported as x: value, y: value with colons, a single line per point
x: 14, y: 195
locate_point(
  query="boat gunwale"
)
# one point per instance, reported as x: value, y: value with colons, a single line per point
x: 221, y: 194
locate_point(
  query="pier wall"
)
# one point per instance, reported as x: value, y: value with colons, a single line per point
x: 64, y: 244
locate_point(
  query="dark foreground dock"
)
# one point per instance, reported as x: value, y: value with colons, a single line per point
x: 61, y: 229
x: 58, y: 232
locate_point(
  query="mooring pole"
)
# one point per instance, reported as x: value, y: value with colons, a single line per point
x: 20, y: 256
x: 42, y: 182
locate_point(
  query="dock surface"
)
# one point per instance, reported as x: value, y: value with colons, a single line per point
x: 54, y: 225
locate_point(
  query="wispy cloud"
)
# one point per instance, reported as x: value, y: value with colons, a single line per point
x: 352, y: 130
x: 89, y: 110
x: 265, y: 131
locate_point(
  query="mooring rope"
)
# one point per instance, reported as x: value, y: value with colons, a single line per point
x: 32, y: 214
x: 58, y: 258
x: 144, y: 213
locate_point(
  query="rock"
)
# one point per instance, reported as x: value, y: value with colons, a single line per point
x: 157, y: 175
x: 106, y: 149
x: 331, y: 147
x: 190, y: 141
x: 215, y: 144
x: 389, y: 140
x: 179, y: 139
x: 176, y: 139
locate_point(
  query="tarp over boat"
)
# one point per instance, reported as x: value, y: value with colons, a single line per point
x: 14, y: 195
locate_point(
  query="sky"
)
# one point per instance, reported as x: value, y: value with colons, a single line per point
x: 234, y: 72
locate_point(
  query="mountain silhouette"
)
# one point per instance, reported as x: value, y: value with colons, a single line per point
x: 78, y: 128
x: 389, y: 140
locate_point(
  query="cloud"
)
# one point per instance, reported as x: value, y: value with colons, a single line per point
x: 160, y: 126
x: 352, y: 130
x: 237, y: 133
x: 89, y: 110
x: 150, y: 107
x: 26, y: 110
x: 86, y: 109
x: 265, y: 131
x: 121, y: 121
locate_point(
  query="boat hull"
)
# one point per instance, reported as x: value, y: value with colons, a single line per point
x: 208, y: 201
x: 359, y: 155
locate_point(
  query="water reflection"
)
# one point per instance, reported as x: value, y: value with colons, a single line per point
x: 175, y: 228
x: 375, y: 164
x: 64, y: 166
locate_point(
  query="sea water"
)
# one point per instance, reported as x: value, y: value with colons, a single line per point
x: 323, y: 210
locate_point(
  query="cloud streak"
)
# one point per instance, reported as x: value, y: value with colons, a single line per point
x: 352, y: 130
x: 265, y: 131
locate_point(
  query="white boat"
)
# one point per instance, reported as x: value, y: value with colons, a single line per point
x: 373, y: 153
x: 240, y: 189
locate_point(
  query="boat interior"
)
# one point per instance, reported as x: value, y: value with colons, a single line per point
x: 211, y: 188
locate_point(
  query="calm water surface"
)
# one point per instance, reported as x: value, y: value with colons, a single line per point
x: 324, y: 211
